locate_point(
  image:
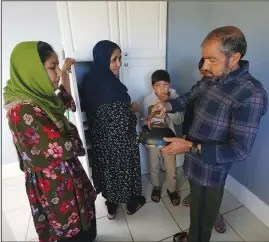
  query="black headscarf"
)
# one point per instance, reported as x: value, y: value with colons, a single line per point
x: 101, y: 86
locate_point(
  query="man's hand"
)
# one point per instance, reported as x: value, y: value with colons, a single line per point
x: 162, y: 107
x: 134, y: 107
x: 177, y: 146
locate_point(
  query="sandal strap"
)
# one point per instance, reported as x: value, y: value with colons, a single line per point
x: 156, y: 192
x: 187, y: 199
x: 174, y: 195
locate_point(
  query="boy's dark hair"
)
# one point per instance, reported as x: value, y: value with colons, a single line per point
x: 201, y: 63
x: 160, y: 75
x: 44, y: 51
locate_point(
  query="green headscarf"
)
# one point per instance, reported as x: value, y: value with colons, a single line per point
x: 29, y: 81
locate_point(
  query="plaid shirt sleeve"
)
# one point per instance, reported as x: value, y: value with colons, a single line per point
x: 244, y: 126
x: 179, y: 103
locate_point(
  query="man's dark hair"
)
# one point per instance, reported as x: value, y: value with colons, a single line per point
x: 201, y: 63
x: 44, y: 51
x: 232, y: 40
x: 160, y: 75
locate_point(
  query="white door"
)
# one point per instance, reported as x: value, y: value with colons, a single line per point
x: 84, y: 23
x: 143, y: 28
x: 136, y: 75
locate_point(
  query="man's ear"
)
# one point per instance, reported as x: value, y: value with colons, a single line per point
x: 236, y: 58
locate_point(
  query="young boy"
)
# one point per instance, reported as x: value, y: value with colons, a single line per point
x: 161, y: 92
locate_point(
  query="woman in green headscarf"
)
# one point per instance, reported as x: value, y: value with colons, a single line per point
x: 60, y: 194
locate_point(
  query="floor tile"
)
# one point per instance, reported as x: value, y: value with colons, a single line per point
x: 101, y: 209
x: 180, y: 213
x: 247, y: 225
x: 15, y: 224
x: 229, y: 235
x: 170, y: 239
x: 31, y: 232
x: 153, y: 222
x: 13, y: 190
x: 113, y: 230
x: 14, y: 180
x: 229, y: 203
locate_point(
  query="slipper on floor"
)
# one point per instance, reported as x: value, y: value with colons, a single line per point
x: 156, y: 192
x: 179, y: 237
x: 140, y: 203
x: 220, y: 225
x: 174, y: 197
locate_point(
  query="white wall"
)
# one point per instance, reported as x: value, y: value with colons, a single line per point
x: 24, y: 21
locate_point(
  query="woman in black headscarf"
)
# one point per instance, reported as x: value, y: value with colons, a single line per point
x: 110, y: 114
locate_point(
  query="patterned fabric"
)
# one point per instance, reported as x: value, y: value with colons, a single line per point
x: 227, y: 114
x: 116, y: 163
x: 60, y: 194
x: 30, y: 81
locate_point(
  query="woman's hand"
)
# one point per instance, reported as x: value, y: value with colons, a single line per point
x: 68, y: 62
x: 134, y: 107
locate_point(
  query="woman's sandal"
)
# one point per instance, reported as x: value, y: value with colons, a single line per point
x: 141, y: 200
x: 111, y: 216
x: 186, y: 201
x: 174, y: 197
x: 220, y: 225
x: 179, y: 237
x: 111, y: 210
x: 156, y: 195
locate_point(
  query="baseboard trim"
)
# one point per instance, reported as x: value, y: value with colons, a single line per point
x: 255, y: 205
x: 11, y: 170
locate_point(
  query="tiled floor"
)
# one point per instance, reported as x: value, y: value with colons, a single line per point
x: 154, y: 222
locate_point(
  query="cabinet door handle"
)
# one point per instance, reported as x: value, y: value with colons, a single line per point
x: 126, y: 64
x: 125, y: 53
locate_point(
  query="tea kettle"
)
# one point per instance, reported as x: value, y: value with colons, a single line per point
x: 153, y: 136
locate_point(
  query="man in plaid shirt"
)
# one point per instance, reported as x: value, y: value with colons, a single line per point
x: 229, y: 104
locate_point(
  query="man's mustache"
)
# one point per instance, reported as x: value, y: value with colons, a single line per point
x: 209, y: 73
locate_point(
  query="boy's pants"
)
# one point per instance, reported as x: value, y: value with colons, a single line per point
x: 205, y: 204
x: 170, y: 163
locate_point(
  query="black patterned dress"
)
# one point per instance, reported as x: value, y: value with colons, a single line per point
x: 116, y: 162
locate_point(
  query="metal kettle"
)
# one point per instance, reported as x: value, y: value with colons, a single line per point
x: 153, y: 137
